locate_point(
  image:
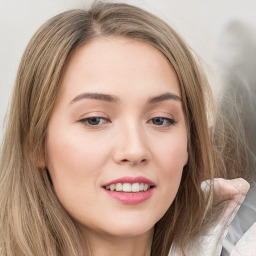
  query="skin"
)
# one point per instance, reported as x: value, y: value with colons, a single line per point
x: 229, y: 189
x: 128, y: 139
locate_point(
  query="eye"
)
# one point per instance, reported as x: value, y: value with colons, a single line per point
x: 94, y: 121
x: 163, y: 121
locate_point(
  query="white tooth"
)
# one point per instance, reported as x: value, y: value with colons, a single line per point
x: 107, y: 187
x: 119, y: 187
x: 141, y: 186
x: 135, y: 187
x: 146, y: 187
x: 112, y: 187
x: 127, y: 187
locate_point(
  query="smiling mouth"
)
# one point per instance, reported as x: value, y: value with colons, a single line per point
x: 129, y: 187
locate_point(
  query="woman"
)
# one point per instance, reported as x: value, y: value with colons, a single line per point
x: 108, y: 139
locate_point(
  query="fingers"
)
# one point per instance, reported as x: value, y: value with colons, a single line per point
x: 228, y: 189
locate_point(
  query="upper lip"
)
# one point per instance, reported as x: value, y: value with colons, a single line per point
x: 127, y: 179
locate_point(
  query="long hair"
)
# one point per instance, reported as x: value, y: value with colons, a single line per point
x: 32, y: 220
x: 236, y: 66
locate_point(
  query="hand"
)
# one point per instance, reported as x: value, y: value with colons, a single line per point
x: 228, y: 189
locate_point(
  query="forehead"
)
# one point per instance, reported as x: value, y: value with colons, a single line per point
x: 119, y: 64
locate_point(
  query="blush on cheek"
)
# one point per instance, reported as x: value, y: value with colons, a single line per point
x: 176, y: 155
x: 73, y: 158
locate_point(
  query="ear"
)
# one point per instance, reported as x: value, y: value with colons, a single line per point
x: 186, y: 156
x: 185, y: 159
x: 40, y: 162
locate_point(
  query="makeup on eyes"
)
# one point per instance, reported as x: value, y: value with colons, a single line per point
x: 101, y: 117
x: 99, y: 122
x: 168, y: 110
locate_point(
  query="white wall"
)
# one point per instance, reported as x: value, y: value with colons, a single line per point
x: 199, y: 22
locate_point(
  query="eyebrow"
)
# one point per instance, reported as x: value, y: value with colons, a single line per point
x: 97, y: 96
x: 114, y: 99
x: 163, y: 97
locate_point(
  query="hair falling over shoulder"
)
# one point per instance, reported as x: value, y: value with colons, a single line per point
x: 32, y: 220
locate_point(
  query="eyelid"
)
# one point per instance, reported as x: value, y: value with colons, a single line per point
x: 93, y: 114
x: 170, y: 121
x: 164, y: 115
x: 86, y: 117
x: 86, y: 124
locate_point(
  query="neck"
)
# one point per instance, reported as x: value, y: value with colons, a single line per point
x: 108, y: 245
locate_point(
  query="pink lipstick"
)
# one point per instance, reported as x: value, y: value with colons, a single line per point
x: 130, y: 190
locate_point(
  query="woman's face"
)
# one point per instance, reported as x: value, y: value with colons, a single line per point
x: 116, y: 142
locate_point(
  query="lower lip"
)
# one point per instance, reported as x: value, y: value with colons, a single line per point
x: 130, y: 197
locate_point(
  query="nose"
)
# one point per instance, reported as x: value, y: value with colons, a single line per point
x: 131, y: 146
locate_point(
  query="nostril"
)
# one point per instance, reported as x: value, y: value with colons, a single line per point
x: 133, y: 162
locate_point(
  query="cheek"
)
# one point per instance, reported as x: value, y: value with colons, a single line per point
x: 172, y: 156
x: 73, y: 162
x: 172, y: 153
x: 74, y: 166
x: 72, y: 152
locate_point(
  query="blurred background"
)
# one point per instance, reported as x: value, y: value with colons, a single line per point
x: 219, y: 31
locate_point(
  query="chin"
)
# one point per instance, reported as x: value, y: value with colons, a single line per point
x: 128, y: 223
x: 128, y: 227
x: 123, y: 232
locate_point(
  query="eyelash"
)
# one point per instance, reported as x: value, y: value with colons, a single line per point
x: 166, y: 121
x: 85, y: 121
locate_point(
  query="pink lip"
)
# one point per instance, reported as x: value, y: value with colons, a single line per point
x: 130, y: 197
x: 138, y: 179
